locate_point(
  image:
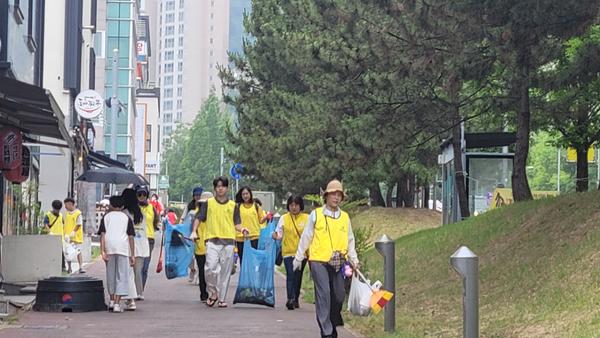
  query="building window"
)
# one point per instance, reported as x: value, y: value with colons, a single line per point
x: 167, y: 105
x: 148, y: 138
x: 180, y: 79
x: 168, y: 118
x: 211, y: 52
x: 181, y: 41
x: 180, y: 28
x: 170, y: 18
x: 168, y: 93
x: 181, y: 3
x: 180, y: 66
x: 169, y: 30
x: 181, y: 15
x: 169, y: 68
x: 169, y: 43
x: 210, y: 65
x: 179, y: 92
x: 212, y: 15
x: 170, y: 5
x: 179, y: 104
x: 168, y: 80
x: 169, y: 55
x: 178, y: 116
x: 211, y: 41
x: 212, y: 28
x: 212, y: 3
x: 168, y: 130
x: 180, y: 54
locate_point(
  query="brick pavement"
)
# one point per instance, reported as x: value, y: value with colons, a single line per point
x: 172, y: 308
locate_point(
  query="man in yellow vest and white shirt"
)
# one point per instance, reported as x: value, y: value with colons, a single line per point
x: 54, y: 224
x: 74, y: 230
x: 221, y: 220
x: 329, y: 238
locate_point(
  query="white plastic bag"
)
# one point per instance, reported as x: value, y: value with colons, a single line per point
x: 70, y: 251
x: 359, y: 300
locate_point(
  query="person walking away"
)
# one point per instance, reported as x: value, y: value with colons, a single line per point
x: 200, y: 249
x: 117, y: 248
x: 329, y: 238
x: 171, y: 216
x: 289, y: 230
x: 54, y: 224
x: 73, y: 229
x: 157, y: 204
x: 152, y: 219
x: 253, y: 218
x: 221, y: 222
x: 142, y: 247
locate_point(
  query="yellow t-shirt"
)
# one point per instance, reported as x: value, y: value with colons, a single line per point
x: 57, y: 228
x: 251, y: 216
x: 292, y: 231
x: 330, y: 234
x: 71, y: 218
x: 219, y: 220
x: 148, y: 211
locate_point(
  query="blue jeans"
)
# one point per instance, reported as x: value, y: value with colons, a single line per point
x: 293, y: 279
x: 147, y: 262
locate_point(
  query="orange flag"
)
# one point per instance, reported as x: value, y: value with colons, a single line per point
x: 379, y: 299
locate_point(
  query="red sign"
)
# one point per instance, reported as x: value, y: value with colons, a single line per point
x: 11, y: 144
x: 20, y: 174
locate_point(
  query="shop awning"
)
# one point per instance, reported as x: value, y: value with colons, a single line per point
x: 97, y: 159
x: 32, y: 109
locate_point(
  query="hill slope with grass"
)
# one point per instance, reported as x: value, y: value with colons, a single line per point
x: 539, y: 273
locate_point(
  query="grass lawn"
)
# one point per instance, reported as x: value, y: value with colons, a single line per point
x: 539, y: 273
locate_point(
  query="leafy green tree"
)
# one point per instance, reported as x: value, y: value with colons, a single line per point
x: 193, y: 154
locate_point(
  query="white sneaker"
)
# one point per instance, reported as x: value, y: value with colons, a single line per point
x: 130, y: 306
x: 117, y: 308
x: 140, y: 297
x: 111, y: 305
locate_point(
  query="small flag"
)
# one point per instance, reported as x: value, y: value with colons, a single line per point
x: 379, y: 299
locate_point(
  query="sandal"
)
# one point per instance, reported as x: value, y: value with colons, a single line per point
x: 211, y: 302
x: 222, y: 304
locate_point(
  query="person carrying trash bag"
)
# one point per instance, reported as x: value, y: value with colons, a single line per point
x: 200, y: 250
x: 289, y: 230
x: 329, y: 238
x: 222, y: 222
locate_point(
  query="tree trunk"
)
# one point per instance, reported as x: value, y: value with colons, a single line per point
x: 376, y: 197
x: 409, y: 196
x: 459, y: 174
x: 581, y: 182
x: 389, y: 194
x: 426, y: 196
x: 401, y: 190
x: 520, y: 185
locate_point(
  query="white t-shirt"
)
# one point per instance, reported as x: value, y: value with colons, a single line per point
x: 117, y: 227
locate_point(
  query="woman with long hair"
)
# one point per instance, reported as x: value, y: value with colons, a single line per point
x: 142, y: 249
x: 253, y: 218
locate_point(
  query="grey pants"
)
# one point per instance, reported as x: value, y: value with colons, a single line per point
x: 329, y: 297
x: 117, y: 275
x: 139, y: 285
x: 217, y: 269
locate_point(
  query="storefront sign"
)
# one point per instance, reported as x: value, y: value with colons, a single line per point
x: 20, y: 174
x: 11, y: 143
x: 89, y: 104
x: 152, y: 167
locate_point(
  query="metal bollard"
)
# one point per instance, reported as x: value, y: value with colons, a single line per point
x: 386, y: 247
x: 466, y: 264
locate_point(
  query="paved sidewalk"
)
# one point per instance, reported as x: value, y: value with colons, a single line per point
x: 173, y: 309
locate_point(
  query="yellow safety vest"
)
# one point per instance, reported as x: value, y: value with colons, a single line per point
x: 71, y: 223
x: 292, y: 230
x: 148, y: 211
x: 250, y: 217
x: 219, y: 220
x: 330, y: 234
x: 201, y: 241
x: 57, y: 224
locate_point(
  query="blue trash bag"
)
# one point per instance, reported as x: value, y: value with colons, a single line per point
x: 256, y: 284
x: 265, y: 237
x: 179, y: 249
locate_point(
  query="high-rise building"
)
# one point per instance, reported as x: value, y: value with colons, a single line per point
x: 237, y: 32
x: 193, y: 38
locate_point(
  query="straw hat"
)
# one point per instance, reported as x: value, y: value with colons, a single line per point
x: 333, y: 186
x: 205, y: 196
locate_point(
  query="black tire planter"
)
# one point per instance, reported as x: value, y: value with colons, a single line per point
x: 70, y: 294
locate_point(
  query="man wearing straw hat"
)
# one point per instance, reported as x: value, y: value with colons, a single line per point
x: 329, y: 238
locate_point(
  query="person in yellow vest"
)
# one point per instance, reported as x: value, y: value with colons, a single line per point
x: 221, y: 221
x: 54, y: 224
x: 73, y: 229
x: 152, y: 219
x: 289, y: 230
x: 329, y: 238
x: 253, y: 218
x: 200, y: 250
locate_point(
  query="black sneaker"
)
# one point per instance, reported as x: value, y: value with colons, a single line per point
x: 290, y: 304
x: 296, y: 304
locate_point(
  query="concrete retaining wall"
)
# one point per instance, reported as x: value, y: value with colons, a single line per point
x: 29, y: 258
